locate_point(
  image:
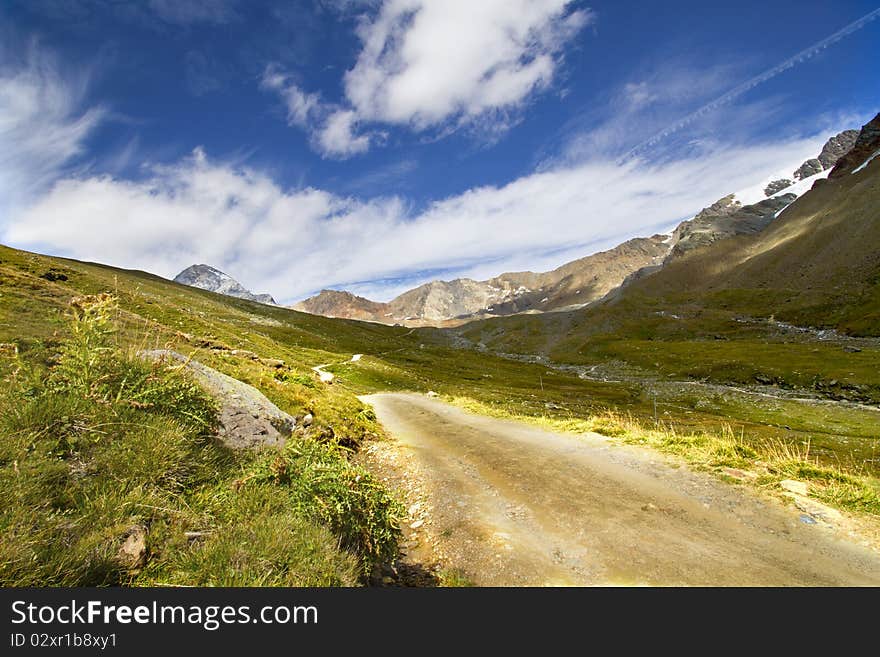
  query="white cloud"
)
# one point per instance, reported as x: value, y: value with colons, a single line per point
x: 302, y: 107
x: 42, y: 127
x: 293, y: 242
x: 431, y: 65
x: 337, y: 136
x: 332, y: 128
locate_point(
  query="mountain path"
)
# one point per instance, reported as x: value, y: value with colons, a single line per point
x: 508, y: 504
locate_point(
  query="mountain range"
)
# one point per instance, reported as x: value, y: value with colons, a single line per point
x: 574, y: 285
x: 584, y: 281
x: 813, y: 270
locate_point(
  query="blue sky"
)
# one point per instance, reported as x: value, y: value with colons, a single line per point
x: 374, y: 145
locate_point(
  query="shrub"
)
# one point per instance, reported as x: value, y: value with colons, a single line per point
x: 324, y: 485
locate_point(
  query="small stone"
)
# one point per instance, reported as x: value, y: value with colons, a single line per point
x: 307, y: 420
x: 414, y: 509
x: 417, y: 524
x: 794, y: 486
x: 817, y: 509
x: 649, y: 507
x: 740, y: 475
x: 133, y: 553
x: 432, y: 394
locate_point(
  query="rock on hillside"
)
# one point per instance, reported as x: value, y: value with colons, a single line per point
x: 834, y: 149
x: 214, y: 280
x: 247, y: 418
x: 725, y: 218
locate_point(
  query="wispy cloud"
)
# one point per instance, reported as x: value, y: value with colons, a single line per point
x: 727, y: 98
x: 408, y: 75
x: 292, y: 242
x: 394, y: 173
x: 43, y: 126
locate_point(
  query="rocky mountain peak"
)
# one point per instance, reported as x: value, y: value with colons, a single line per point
x: 725, y: 219
x: 834, y: 149
x: 866, y: 146
x: 208, y: 278
x: 777, y: 186
x: 340, y: 303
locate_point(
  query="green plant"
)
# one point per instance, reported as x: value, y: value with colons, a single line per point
x: 97, y: 443
x: 324, y: 485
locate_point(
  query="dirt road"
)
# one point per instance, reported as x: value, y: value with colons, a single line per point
x: 509, y: 504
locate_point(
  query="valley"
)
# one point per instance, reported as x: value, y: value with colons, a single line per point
x: 743, y: 374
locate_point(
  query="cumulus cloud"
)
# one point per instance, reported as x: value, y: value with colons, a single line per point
x: 429, y: 65
x: 42, y: 127
x: 338, y: 135
x: 292, y: 242
x: 332, y: 128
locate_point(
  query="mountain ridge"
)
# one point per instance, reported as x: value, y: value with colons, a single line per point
x: 575, y: 283
x: 586, y: 280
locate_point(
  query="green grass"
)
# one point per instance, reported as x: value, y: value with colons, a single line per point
x: 91, y: 450
x: 97, y: 442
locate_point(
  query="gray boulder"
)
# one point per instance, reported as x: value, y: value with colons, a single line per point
x: 248, y: 419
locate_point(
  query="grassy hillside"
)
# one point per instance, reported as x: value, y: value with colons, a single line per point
x: 816, y: 265
x: 723, y: 313
x: 99, y: 450
x: 90, y: 465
